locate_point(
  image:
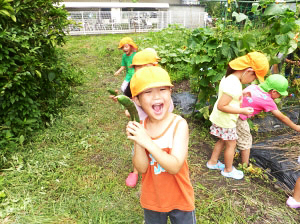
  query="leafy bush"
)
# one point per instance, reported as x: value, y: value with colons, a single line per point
x: 171, y: 46
x: 34, y: 77
x: 212, y: 48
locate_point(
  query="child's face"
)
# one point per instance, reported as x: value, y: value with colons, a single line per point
x: 274, y: 94
x: 126, y: 49
x: 248, y: 77
x: 155, y: 101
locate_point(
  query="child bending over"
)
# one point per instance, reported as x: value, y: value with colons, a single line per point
x: 261, y: 98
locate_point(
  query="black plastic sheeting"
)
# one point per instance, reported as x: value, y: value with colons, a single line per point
x: 275, y: 162
x: 271, y: 123
x: 184, y: 102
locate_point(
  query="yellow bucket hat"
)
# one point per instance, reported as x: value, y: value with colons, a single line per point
x: 149, y: 77
x: 127, y: 40
x: 146, y: 56
x: 256, y: 60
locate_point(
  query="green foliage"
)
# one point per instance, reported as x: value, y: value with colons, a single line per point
x: 253, y: 172
x: 214, y: 9
x: 7, y: 10
x: 75, y: 170
x: 34, y: 77
x: 212, y: 48
x: 170, y: 44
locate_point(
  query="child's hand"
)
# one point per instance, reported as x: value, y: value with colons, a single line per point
x: 247, y: 110
x: 114, y: 98
x: 137, y: 133
x: 127, y: 113
x: 117, y: 73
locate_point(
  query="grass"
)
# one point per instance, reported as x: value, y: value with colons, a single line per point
x: 75, y: 170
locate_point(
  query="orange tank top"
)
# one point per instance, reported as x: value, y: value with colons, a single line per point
x: 161, y: 191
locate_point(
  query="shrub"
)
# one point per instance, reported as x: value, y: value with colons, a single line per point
x: 34, y: 78
x: 171, y: 46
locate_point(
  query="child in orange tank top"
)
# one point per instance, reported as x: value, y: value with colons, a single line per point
x: 161, y: 149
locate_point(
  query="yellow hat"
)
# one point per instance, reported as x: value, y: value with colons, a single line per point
x: 127, y: 40
x: 147, y: 56
x: 149, y: 77
x: 257, y: 61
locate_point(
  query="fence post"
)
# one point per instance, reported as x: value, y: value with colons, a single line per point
x: 82, y: 19
x: 170, y: 17
x: 184, y: 19
x: 199, y: 22
x: 139, y: 21
x: 129, y: 19
x: 162, y: 19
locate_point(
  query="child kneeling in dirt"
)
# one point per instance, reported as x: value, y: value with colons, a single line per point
x: 160, y: 152
x: 261, y: 98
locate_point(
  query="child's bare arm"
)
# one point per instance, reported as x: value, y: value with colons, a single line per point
x: 223, y: 105
x: 120, y: 70
x: 284, y: 119
x: 173, y: 162
x: 140, y: 159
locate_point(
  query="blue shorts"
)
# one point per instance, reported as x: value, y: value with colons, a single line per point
x: 176, y: 217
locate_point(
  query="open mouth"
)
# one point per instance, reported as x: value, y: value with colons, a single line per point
x: 158, y: 108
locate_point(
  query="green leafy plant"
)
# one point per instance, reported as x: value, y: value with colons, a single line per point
x: 252, y: 171
x: 212, y: 48
x: 7, y: 10
x: 35, y: 79
x: 170, y: 44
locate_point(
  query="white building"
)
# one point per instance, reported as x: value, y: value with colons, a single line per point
x: 98, y: 17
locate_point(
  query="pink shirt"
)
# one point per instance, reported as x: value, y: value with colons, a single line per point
x: 255, y: 97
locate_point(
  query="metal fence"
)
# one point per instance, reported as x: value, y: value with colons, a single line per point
x: 105, y: 22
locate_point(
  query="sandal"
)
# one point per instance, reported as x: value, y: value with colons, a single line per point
x: 218, y: 166
x: 132, y: 179
x: 292, y: 203
x: 235, y: 174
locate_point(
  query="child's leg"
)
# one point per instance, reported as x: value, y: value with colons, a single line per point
x: 124, y: 86
x: 153, y: 217
x: 296, y: 195
x: 135, y: 170
x: 229, y: 170
x: 245, y: 156
x: 294, y: 202
x: 178, y: 216
x: 244, y: 141
x: 133, y: 177
x: 229, y: 154
x: 219, y: 146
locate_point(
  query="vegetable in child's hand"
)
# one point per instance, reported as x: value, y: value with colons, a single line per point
x: 129, y: 105
x: 112, y: 92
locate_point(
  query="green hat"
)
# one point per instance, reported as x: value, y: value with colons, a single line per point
x: 276, y: 82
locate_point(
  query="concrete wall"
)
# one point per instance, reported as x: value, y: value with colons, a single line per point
x: 140, y: 1
x: 188, y: 16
